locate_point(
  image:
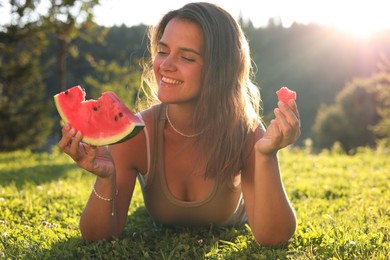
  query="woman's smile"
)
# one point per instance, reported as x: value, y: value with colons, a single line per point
x: 170, y: 81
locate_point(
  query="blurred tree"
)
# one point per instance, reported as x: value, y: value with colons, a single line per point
x: 111, y: 76
x: 330, y: 126
x: 119, y: 66
x: 66, y: 19
x: 24, y: 111
x: 382, y: 90
x: 359, y: 115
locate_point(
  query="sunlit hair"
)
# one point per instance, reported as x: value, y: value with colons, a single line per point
x: 227, y: 111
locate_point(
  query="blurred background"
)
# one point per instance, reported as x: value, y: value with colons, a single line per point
x: 334, y: 54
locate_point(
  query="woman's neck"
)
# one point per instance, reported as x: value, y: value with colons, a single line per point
x: 180, y: 119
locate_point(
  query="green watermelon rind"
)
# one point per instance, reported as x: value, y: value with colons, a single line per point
x: 132, y: 130
x: 133, y: 133
x: 123, y: 136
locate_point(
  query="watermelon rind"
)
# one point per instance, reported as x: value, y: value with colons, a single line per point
x: 129, y: 133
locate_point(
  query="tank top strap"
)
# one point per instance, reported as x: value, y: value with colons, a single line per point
x: 156, y: 141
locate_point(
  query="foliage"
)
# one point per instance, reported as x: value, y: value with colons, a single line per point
x: 123, y: 80
x: 330, y: 126
x: 64, y: 19
x: 357, y: 109
x: 24, y: 112
x: 119, y: 46
x: 382, y: 89
x: 341, y: 203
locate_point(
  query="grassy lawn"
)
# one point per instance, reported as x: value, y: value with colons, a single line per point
x: 342, y: 204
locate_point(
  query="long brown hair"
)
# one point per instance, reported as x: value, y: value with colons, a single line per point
x: 227, y: 110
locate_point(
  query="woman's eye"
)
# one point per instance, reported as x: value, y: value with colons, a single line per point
x: 188, y: 59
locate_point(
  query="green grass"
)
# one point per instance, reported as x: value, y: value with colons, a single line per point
x: 342, y: 204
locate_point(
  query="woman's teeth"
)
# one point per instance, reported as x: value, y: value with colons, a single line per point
x: 171, y: 81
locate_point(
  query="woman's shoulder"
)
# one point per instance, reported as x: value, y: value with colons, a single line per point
x: 259, y: 130
x: 149, y: 113
x: 133, y: 152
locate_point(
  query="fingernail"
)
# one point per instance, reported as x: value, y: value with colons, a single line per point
x: 78, y: 134
x: 72, y: 131
x: 66, y: 126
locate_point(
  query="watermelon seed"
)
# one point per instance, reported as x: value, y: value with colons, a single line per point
x: 120, y: 114
x: 66, y: 92
x: 116, y: 118
x: 95, y: 108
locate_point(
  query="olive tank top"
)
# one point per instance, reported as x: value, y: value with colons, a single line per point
x: 224, y: 205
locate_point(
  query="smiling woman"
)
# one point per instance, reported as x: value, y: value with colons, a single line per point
x: 203, y: 158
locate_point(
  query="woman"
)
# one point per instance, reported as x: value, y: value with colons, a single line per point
x: 204, y: 157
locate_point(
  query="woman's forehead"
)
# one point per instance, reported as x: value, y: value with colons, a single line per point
x: 183, y: 32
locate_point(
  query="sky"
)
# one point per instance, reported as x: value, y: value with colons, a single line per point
x: 359, y: 17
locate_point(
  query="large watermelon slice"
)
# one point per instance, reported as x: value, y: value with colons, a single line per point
x: 285, y: 94
x: 102, y: 122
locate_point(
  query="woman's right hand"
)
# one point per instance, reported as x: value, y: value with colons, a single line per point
x: 95, y: 159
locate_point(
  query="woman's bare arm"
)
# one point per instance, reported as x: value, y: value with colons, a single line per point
x: 269, y: 211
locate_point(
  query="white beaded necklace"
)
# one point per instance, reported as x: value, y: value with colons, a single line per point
x: 177, y: 131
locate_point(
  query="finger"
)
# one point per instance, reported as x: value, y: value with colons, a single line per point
x: 66, y: 128
x: 274, y: 131
x: 290, y: 130
x: 74, y: 145
x: 290, y: 112
x: 66, y: 138
x: 293, y: 105
x: 295, y: 123
x: 281, y: 119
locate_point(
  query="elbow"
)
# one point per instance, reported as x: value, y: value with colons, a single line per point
x: 272, y: 240
x: 275, y: 236
x: 89, y: 238
x: 92, y: 234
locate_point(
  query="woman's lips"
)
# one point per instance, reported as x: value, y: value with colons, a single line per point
x: 171, y: 81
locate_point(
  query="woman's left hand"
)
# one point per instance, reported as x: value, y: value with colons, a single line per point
x: 282, y: 131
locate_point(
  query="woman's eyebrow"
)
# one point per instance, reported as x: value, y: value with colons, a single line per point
x: 182, y: 49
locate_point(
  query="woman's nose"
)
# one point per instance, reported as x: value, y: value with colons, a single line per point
x: 168, y: 64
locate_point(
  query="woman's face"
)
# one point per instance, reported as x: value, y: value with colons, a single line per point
x: 178, y: 62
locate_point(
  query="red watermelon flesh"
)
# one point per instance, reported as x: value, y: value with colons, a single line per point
x: 285, y: 94
x: 103, y: 121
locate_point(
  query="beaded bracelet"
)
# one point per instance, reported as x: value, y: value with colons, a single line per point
x: 103, y: 198
x: 106, y: 199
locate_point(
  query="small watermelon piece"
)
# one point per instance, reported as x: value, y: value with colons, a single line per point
x: 104, y: 121
x: 285, y: 94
